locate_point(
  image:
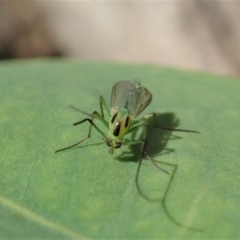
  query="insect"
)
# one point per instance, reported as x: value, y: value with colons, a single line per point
x: 128, y: 100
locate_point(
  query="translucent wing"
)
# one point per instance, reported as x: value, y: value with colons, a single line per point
x: 138, y: 99
x: 130, y: 95
x: 119, y: 93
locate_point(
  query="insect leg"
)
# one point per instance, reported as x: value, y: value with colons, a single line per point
x: 79, y: 110
x: 166, y: 128
x: 143, y: 151
x: 103, y: 104
x: 142, y: 123
x: 92, y: 124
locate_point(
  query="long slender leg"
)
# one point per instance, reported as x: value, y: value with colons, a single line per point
x: 92, y: 124
x: 103, y: 104
x: 99, y: 116
x: 166, y: 128
x: 172, y: 129
x: 143, y: 151
x: 141, y: 123
x: 96, y: 115
x: 144, y: 145
x: 75, y: 144
x: 79, y: 110
x: 166, y: 191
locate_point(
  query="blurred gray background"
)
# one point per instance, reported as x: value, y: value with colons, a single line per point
x: 199, y: 35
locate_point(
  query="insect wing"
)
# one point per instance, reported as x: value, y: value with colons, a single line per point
x: 130, y: 95
x: 120, y: 92
x: 138, y: 99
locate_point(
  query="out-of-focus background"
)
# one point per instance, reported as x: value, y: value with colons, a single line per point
x: 199, y: 35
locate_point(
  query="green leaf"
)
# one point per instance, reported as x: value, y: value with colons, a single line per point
x: 86, y: 192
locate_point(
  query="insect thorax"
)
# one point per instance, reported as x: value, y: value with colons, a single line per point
x: 119, y: 124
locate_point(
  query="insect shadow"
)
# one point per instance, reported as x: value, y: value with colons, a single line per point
x: 157, y: 138
x: 157, y: 145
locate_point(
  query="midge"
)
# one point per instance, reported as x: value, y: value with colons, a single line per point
x: 128, y: 100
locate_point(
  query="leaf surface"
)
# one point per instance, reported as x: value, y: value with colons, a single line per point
x: 88, y: 193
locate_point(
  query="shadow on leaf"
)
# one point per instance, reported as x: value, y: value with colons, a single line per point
x: 157, y: 142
